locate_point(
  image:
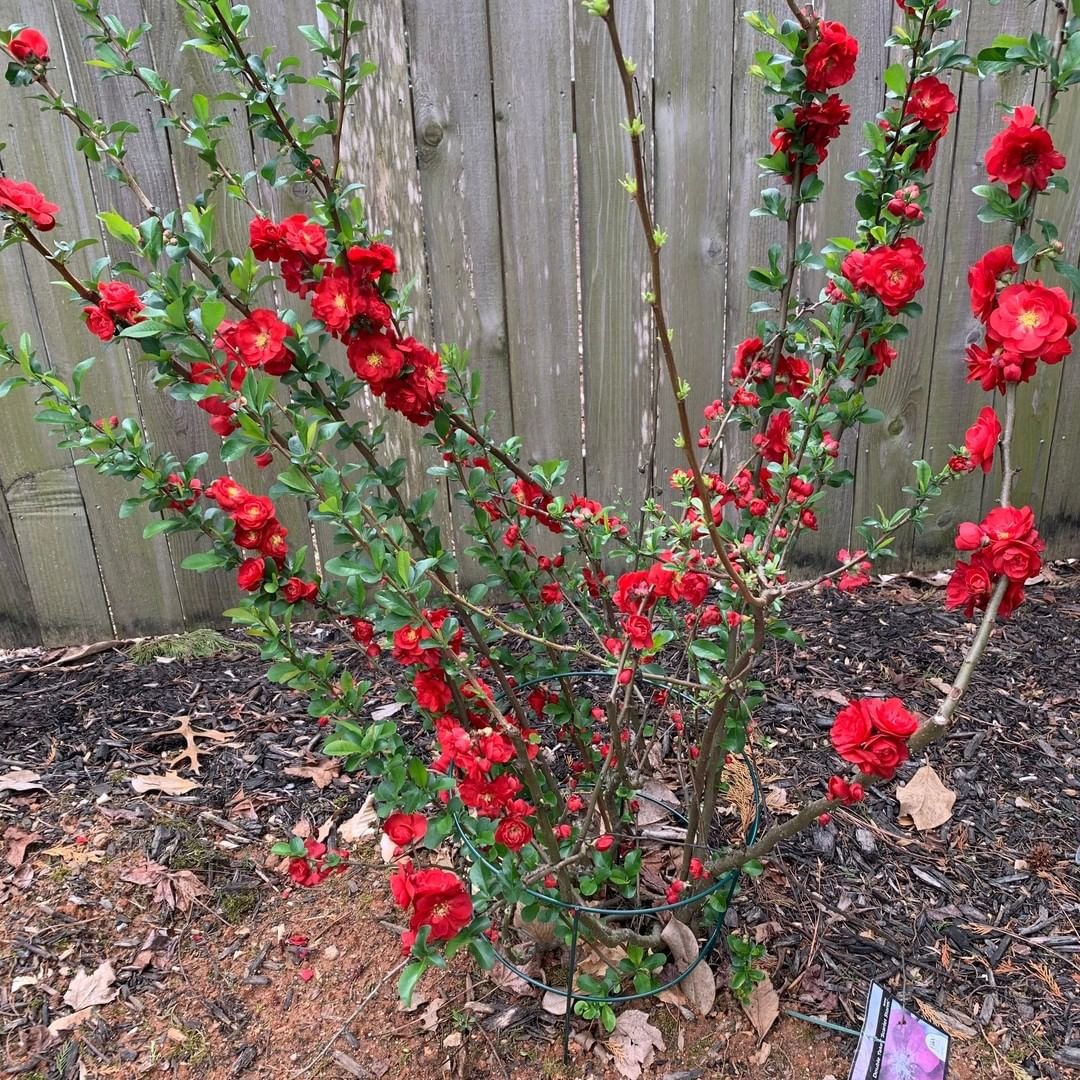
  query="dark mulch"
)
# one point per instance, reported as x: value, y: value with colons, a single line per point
x: 975, y: 923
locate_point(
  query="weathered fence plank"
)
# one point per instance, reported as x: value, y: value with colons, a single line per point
x: 534, y: 137
x: 490, y: 149
x: 619, y: 344
x: 699, y: 175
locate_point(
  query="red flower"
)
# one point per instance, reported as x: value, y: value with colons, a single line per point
x: 774, y: 443
x: 336, y: 301
x: 250, y: 575
x: 21, y: 197
x: 265, y: 239
x: 273, y: 542
x: 303, y: 237
x: 872, y: 733
x: 994, y: 367
x: 639, y: 630
x: 846, y: 793
x: 830, y: 61
x: 403, y: 884
x: 984, y: 276
x: 551, y: 593
x: 226, y: 492
x: 253, y: 511
x: 260, y: 340
x: 441, y: 903
x: 432, y: 692
x: 405, y: 829
x: 894, y: 273
x: 982, y: 438
x: 969, y: 586
x: 604, y: 843
x: 1023, y: 153
x: 513, y: 832
x: 372, y: 261
x: 375, y: 359
x: 29, y: 46
x: 1011, y: 543
x: 1033, y: 320
x: 120, y: 300
x: 297, y: 589
x: 931, y: 102
x: 99, y: 322
x: 856, y: 576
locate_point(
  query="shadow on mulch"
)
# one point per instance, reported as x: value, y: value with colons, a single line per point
x: 973, y: 924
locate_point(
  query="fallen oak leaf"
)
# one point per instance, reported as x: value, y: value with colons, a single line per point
x: 21, y: 780
x: 172, y: 888
x: 191, y: 750
x: 322, y: 774
x: 763, y: 1007
x: 926, y: 800
x: 362, y: 825
x: 18, y: 840
x: 634, y: 1042
x: 698, y: 986
x: 85, y: 991
x: 76, y: 854
x: 169, y: 784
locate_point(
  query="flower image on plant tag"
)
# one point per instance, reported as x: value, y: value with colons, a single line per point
x: 897, y: 1045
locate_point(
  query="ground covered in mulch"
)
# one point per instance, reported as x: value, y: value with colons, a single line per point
x: 197, y: 960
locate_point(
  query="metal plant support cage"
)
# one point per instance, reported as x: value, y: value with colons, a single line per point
x: 726, y: 884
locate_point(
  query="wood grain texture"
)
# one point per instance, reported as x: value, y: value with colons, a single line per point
x: 19, y: 625
x: 531, y: 46
x: 701, y: 147
x: 835, y: 215
x: 453, y: 119
x: 619, y: 344
x: 952, y: 402
x: 170, y: 424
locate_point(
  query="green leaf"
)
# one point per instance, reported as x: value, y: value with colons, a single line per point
x: 119, y: 227
x: 896, y: 79
x: 202, y: 561
x: 409, y: 978
x: 1024, y: 248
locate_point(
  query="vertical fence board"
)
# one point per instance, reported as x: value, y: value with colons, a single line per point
x: 490, y: 150
x: 195, y: 69
x: 887, y: 449
x: 173, y: 425
x: 835, y: 215
x: 454, y: 124
x: 619, y: 345
x: 530, y: 49
x: 698, y: 174
x: 1059, y: 518
x: 1037, y: 400
x: 952, y: 402
x: 18, y: 619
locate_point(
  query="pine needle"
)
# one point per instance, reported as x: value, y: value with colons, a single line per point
x: 194, y: 645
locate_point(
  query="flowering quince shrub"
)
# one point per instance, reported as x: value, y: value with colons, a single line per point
x: 629, y: 644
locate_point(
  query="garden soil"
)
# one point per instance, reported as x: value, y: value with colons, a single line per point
x: 161, y: 919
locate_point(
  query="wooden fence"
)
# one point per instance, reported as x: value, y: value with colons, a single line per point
x: 490, y: 145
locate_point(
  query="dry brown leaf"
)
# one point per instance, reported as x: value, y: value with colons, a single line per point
x: 634, y: 1043
x: 71, y: 1020
x: 925, y: 799
x: 169, y: 784
x: 21, y: 780
x: 363, y: 825
x: 835, y: 696
x: 763, y: 1007
x: 321, y: 774
x: 699, y: 986
x: 18, y: 840
x: 191, y: 750
x: 554, y: 1003
x: 384, y: 712
x: 172, y: 888
x: 85, y: 991
x: 76, y: 854
x: 648, y: 812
